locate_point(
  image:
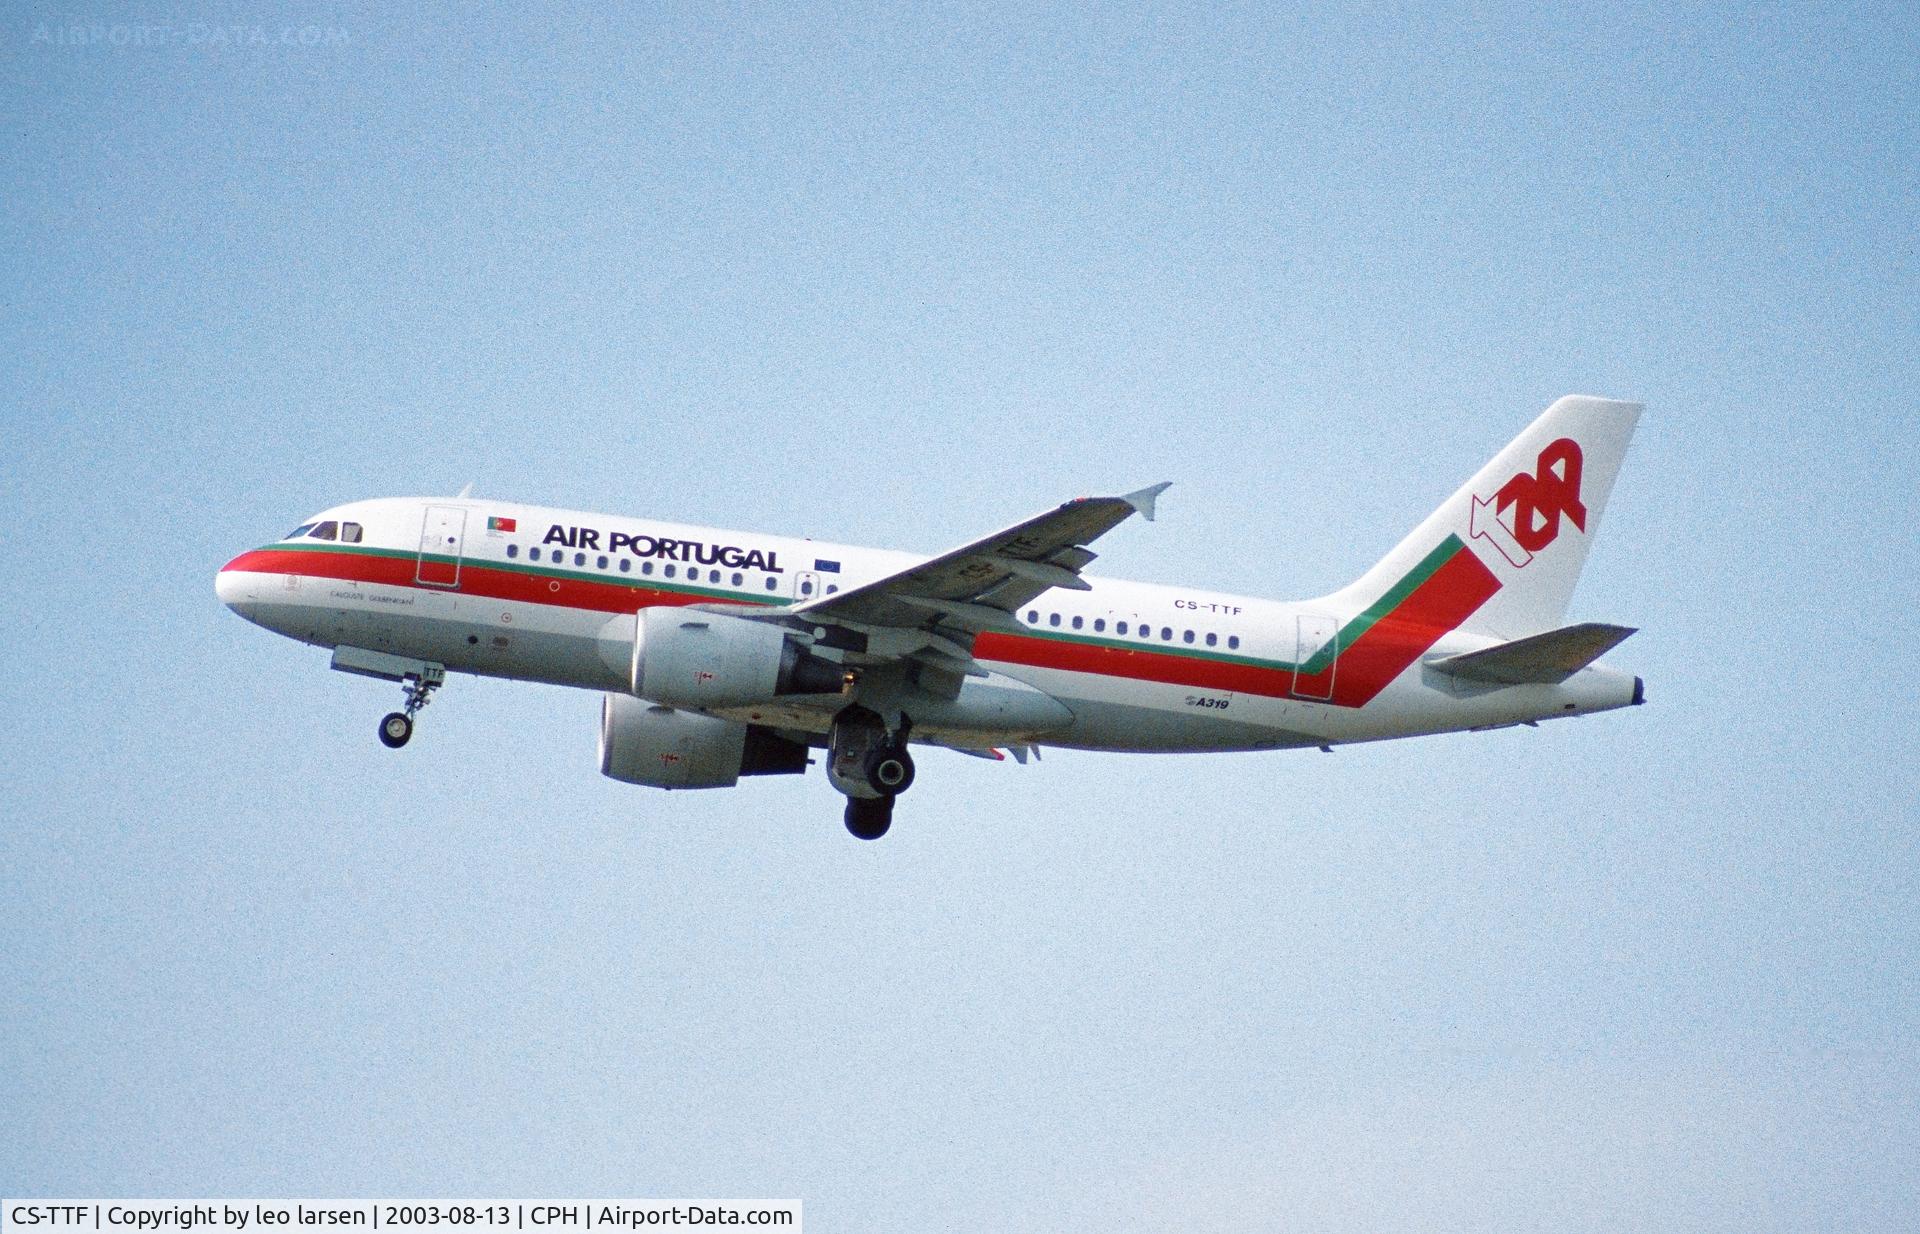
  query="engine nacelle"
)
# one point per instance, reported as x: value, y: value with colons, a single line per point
x: 688, y: 658
x: 644, y: 743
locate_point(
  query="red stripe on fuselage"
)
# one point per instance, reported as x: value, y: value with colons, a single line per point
x: 1448, y: 597
x: 475, y: 580
x: 1135, y: 663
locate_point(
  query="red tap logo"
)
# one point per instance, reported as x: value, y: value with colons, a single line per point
x: 1524, y: 516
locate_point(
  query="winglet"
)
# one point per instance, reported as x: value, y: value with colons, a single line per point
x: 1143, y: 499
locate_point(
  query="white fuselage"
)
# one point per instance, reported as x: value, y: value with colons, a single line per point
x: 547, y: 595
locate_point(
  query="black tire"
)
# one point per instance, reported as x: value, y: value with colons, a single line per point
x: 869, y: 817
x: 395, y: 729
x: 890, y: 770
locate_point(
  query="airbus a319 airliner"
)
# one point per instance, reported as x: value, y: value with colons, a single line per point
x: 723, y: 654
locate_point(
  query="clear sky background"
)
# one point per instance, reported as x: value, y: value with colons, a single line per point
x: 900, y: 278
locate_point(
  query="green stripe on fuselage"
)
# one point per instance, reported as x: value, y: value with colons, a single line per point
x: 1318, y: 662
x: 1395, y: 595
x: 1349, y: 633
x: 645, y: 582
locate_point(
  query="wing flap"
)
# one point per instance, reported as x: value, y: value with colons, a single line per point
x: 1538, y: 659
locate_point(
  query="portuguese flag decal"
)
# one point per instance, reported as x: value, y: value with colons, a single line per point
x: 495, y: 523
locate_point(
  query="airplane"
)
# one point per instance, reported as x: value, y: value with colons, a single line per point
x: 725, y: 654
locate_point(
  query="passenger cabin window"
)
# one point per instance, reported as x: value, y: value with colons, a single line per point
x: 1033, y: 617
x: 601, y: 563
x: 1187, y: 637
x: 773, y: 584
x: 1212, y: 639
x: 533, y: 554
x: 328, y: 530
x: 349, y: 533
x: 1099, y: 625
x: 579, y: 559
x: 739, y: 579
x: 1166, y: 634
x: 646, y: 567
x: 1120, y: 627
x: 513, y: 550
x: 1076, y: 623
x: 1053, y: 619
x: 667, y: 570
x: 626, y: 565
x: 806, y: 587
x: 1233, y: 641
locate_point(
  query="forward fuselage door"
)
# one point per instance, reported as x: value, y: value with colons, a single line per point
x: 442, y: 539
x: 1316, y: 653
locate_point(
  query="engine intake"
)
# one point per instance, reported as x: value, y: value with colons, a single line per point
x: 688, y: 658
x: 643, y: 743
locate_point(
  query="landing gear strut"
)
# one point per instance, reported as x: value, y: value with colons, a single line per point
x: 396, y: 727
x: 871, y: 766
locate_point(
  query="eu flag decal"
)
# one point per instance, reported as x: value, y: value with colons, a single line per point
x: 826, y: 567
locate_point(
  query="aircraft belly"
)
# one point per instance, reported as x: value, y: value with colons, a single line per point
x: 1150, y: 717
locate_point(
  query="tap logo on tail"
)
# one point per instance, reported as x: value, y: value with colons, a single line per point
x: 1524, y: 516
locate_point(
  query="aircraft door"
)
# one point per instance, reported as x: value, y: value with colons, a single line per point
x: 1315, y: 657
x: 442, y: 539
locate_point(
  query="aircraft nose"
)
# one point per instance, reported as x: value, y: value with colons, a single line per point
x: 234, y: 587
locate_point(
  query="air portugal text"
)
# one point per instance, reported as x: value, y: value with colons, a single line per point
x: 732, y: 556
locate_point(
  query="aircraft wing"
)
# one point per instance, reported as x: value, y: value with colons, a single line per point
x: 978, y: 586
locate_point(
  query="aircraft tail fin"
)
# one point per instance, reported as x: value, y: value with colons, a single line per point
x: 1508, y: 547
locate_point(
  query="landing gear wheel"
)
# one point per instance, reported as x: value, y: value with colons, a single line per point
x: 395, y: 729
x: 890, y: 770
x: 869, y: 817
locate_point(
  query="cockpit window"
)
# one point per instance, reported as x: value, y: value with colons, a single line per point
x: 297, y: 532
x: 349, y: 533
x: 328, y: 530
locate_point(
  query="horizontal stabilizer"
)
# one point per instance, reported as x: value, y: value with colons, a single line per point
x: 1539, y: 659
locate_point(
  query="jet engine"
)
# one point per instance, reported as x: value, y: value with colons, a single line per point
x: 688, y: 658
x: 644, y: 743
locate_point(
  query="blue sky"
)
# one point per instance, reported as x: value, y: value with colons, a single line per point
x: 897, y: 277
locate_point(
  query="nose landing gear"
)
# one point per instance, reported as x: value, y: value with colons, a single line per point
x: 396, y: 727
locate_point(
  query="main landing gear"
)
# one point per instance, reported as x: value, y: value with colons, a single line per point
x: 871, y: 766
x: 396, y: 727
